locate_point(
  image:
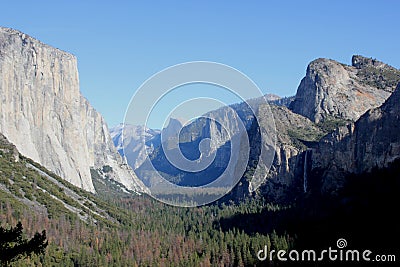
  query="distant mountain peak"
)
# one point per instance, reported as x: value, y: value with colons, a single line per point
x: 133, y: 142
x: 176, y: 122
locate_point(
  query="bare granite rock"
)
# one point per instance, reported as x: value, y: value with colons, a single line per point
x: 334, y: 90
x: 44, y: 114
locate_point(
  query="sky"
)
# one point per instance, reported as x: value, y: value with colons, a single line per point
x: 121, y: 44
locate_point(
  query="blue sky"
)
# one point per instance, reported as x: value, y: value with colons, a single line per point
x: 120, y: 44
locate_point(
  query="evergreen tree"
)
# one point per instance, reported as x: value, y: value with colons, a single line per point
x: 14, y: 246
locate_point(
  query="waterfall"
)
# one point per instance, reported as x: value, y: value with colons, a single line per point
x: 305, y: 172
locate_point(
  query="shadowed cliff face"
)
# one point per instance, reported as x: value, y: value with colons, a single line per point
x: 334, y: 90
x: 372, y: 141
x: 43, y: 113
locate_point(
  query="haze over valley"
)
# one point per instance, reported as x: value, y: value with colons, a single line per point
x: 232, y: 172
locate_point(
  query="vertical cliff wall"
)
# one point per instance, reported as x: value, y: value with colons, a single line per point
x: 372, y: 141
x: 43, y: 113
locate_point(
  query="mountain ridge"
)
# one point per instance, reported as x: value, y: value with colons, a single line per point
x: 297, y: 134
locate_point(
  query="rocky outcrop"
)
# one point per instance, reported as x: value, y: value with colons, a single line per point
x: 372, y: 141
x: 43, y: 113
x: 284, y: 101
x: 334, y: 90
x: 372, y: 72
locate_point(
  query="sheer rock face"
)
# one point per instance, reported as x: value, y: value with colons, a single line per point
x: 331, y: 89
x: 43, y: 113
x: 372, y: 141
x: 287, y: 168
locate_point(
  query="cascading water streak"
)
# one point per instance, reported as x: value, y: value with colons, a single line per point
x: 305, y: 172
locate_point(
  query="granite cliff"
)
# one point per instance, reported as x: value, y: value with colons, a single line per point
x: 44, y: 114
x: 373, y: 141
x: 332, y: 90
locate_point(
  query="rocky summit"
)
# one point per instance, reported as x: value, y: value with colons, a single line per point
x: 334, y: 90
x: 44, y: 114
